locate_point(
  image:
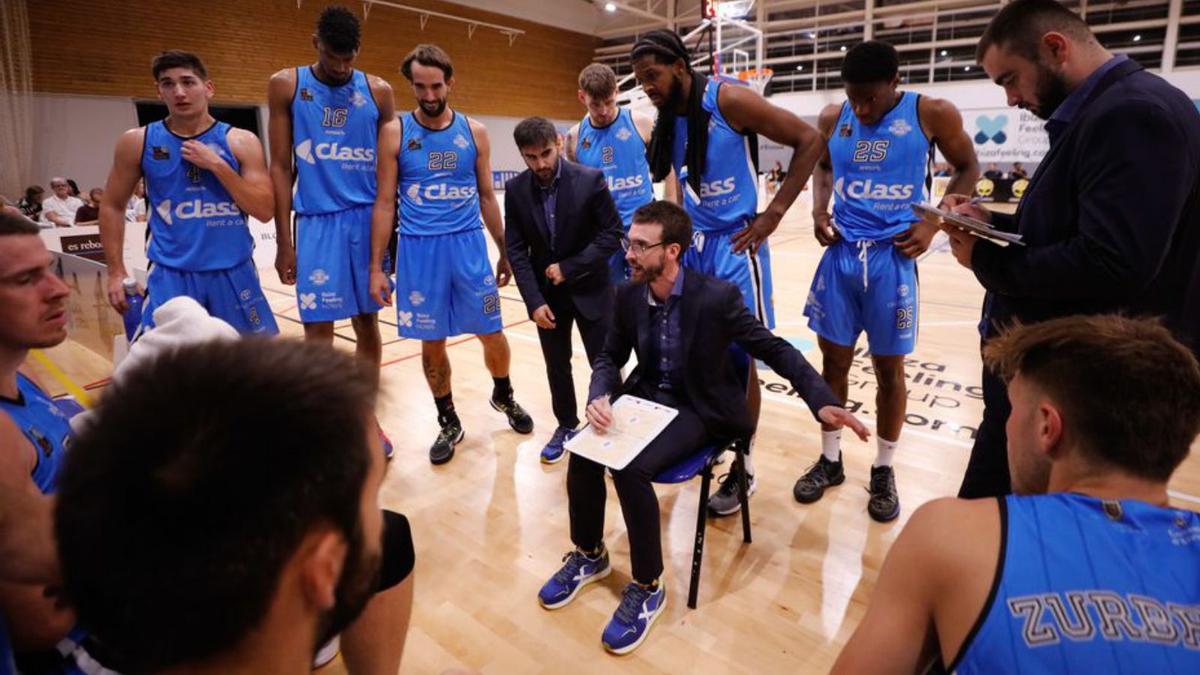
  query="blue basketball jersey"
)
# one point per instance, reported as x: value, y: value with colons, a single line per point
x: 1091, y: 586
x: 619, y: 151
x: 729, y: 187
x: 879, y: 171
x: 194, y: 223
x: 44, y: 426
x: 437, y: 190
x: 334, y: 134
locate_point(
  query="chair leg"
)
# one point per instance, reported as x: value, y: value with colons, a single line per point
x: 701, y: 527
x: 743, y: 488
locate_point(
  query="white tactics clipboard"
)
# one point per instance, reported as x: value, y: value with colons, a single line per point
x: 636, y: 422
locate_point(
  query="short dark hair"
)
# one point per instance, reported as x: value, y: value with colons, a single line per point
x: 430, y: 56
x: 15, y: 223
x: 1129, y: 391
x: 173, y: 58
x: 195, y: 483
x: 1020, y: 25
x: 535, y: 132
x: 598, y: 80
x: 339, y: 30
x: 870, y: 62
x: 676, y: 223
x: 34, y: 190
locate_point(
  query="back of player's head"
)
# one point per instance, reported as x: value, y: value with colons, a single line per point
x: 175, y: 58
x: 664, y: 45
x: 1127, y: 390
x: 870, y: 62
x: 16, y: 223
x: 430, y: 56
x: 202, y: 472
x: 339, y: 30
x: 598, y: 81
x: 676, y: 223
x: 535, y: 132
x: 1020, y: 25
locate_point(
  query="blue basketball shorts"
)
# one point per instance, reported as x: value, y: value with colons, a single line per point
x: 233, y: 295
x: 445, y: 286
x: 618, y: 269
x: 333, y: 259
x: 866, y: 286
x: 712, y: 253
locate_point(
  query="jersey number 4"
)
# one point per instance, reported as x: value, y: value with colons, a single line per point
x: 335, y: 117
x: 443, y: 160
x: 871, y: 151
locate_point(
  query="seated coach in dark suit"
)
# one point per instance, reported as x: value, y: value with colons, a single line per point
x: 681, y: 327
x: 1111, y: 218
x: 561, y: 227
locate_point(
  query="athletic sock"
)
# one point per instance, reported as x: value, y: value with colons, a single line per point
x: 886, y: 451
x: 445, y: 408
x: 831, y: 445
x: 746, y: 458
x: 501, y: 389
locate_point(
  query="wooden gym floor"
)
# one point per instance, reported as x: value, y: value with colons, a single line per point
x: 491, y: 526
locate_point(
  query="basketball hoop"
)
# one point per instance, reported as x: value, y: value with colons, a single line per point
x: 756, y: 77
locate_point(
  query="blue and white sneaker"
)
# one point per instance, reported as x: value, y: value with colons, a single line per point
x: 554, y: 450
x: 631, y: 623
x: 577, y: 571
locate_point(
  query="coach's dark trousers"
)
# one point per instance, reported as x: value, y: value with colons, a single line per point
x: 557, y: 350
x: 987, y: 471
x: 586, y: 492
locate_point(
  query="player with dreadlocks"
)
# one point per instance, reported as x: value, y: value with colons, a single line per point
x: 708, y: 133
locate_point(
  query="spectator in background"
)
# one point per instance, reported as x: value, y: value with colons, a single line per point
x: 89, y: 213
x: 941, y: 170
x: 993, y: 172
x: 1018, y: 171
x: 59, y: 209
x: 74, y: 189
x: 31, y: 203
x: 135, y: 210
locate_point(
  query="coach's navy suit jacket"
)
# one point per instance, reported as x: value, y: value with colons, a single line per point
x: 588, y: 233
x: 1111, y: 218
x: 713, y: 316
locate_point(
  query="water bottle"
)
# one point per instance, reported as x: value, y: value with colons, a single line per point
x: 133, y: 314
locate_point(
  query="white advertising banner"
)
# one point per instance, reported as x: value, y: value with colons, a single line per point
x: 1006, y: 135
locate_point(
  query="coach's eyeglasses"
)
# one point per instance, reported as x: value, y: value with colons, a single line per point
x: 639, y: 248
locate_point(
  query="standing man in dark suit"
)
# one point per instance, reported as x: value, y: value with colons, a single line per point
x: 561, y: 227
x: 681, y: 327
x: 1111, y: 218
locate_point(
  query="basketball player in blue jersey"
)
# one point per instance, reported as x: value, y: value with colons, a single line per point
x: 203, y: 178
x: 1087, y: 568
x: 880, y: 148
x: 34, y: 434
x: 435, y: 161
x: 707, y: 132
x: 614, y: 140
x: 324, y: 126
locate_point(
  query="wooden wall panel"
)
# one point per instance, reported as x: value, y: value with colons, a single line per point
x: 104, y: 47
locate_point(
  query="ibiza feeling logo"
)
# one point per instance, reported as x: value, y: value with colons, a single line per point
x: 991, y: 129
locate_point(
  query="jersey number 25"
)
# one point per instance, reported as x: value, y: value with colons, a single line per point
x: 871, y: 151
